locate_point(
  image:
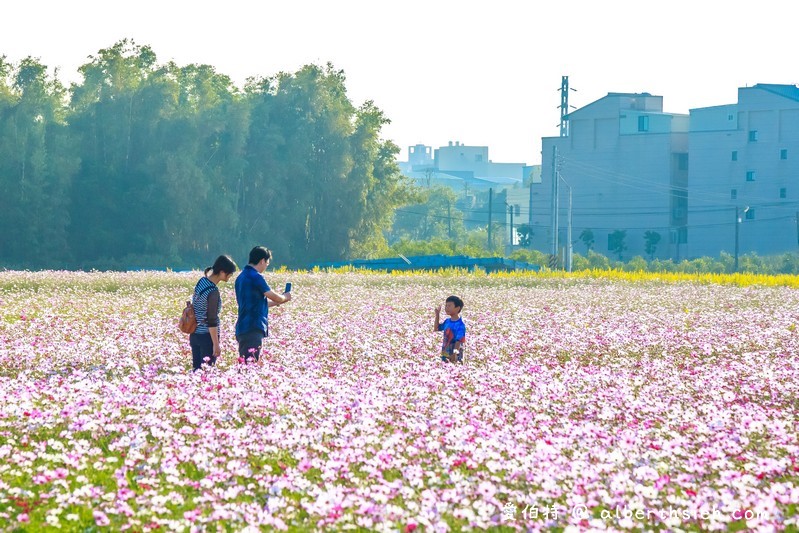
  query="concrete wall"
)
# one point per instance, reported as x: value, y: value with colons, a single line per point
x: 621, y: 178
x: 750, y: 168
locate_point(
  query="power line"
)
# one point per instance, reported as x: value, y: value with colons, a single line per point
x: 643, y: 184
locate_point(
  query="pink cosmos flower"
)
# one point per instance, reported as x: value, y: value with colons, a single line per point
x: 100, y: 518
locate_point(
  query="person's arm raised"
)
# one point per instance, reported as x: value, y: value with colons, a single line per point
x: 276, y: 299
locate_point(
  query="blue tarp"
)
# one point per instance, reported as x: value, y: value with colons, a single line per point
x: 433, y: 262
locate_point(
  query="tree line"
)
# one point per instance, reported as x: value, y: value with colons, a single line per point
x: 143, y: 164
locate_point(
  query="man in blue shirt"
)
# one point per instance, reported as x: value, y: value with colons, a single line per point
x: 454, y: 330
x: 254, y: 298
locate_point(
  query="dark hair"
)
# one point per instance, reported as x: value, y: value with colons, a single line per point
x: 258, y: 253
x: 455, y: 300
x: 224, y: 264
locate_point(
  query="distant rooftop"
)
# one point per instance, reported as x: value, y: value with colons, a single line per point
x: 629, y: 94
x: 788, y: 91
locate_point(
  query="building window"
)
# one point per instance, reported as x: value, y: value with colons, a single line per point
x: 682, y: 161
x: 752, y: 136
x: 750, y: 175
x: 750, y: 213
x: 733, y: 194
x: 735, y: 155
x: 478, y: 158
x: 643, y: 123
x: 730, y: 116
x: 783, y: 192
x: 784, y: 153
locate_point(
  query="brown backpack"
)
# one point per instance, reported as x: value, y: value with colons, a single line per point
x: 188, y: 320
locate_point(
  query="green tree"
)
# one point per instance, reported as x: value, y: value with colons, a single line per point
x: 36, y: 166
x: 616, y: 242
x: 651, y: 240
x: 299, y: 161
x: 106, y: 119
x: 203, y: 137
x: 162, y: 152
x: 319, y: 179
x: 435, y: 246
x: 432, y: 216
x: 525, y: 233
x: 636, y: 264
x: 530, y: 256
x: 376, y: 184
x: 587, y: 236
x: 597, y: 261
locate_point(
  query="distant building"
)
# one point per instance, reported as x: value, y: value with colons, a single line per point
x: 744, y: 172
x: 461, y: 167
x: 720, y: 179
x: 646, y: 182
x: 625, y: 163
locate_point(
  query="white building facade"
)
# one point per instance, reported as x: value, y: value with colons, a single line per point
x: 624, y: 163
x: 743, y: 179
x: 461, y: 167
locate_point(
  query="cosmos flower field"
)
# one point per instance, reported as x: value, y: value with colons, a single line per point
x: 583, y: 403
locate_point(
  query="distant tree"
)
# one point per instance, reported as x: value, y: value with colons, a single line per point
x: 319, y: 179
x: 435, y: 246
x: 37, y: 165
x: 525, y: 233
x: 616, y: 243
x: 376, y: 185
x: 530, y: 256
x: 201, y: 159
x: 432, y: 215
x: 651, y: 240
x: 587, y: 236
x: 113, y: 127
x: 636, y: 264
x: 597, y: 261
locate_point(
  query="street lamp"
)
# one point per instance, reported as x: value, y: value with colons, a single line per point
x: 510, y: 210
x: 737, y: 231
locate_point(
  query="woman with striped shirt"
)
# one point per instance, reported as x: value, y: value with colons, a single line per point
x: 207, y: 304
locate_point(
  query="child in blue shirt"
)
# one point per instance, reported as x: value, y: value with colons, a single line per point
x: 454, y: 330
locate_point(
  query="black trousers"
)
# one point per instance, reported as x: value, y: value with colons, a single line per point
x: 250, y: 344
x: 201, y: 347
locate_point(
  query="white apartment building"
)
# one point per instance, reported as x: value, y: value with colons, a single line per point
x: 719, y: 179
x: 743, y: 178
x: 624, y: 163
x: 460, y: 167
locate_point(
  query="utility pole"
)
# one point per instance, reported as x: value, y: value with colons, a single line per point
x: 510, y: 208
x: 449, y: 219
x: 564, y: 106
x: 569, y: 233
x: 737, y: 222
x: 554, y: 237
x: 490, y: 202
x: 567, y: 260
x: 737, y: 231
x: 530, y: 213
x: 564, y: 132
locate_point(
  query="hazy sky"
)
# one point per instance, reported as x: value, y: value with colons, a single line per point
x: 478, y: 72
